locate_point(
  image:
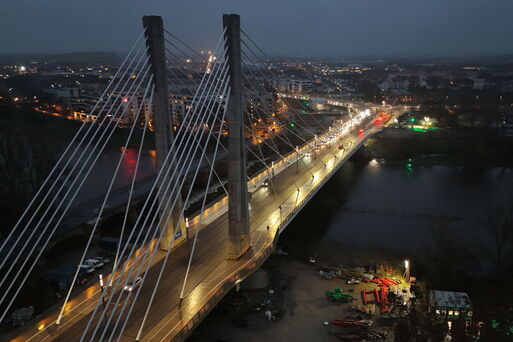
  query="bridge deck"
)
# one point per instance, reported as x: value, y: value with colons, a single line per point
x: 212, y: 275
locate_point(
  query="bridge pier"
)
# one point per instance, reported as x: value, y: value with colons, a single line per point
x: 238, y: 210
x: 164, y: 136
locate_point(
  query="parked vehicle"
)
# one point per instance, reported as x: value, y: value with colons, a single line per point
x: 353, y: 281
x: 94, y: 263
x: 102, y: 259
x: 133, y: 284
x: 329, y: 273
x: 338, y: 295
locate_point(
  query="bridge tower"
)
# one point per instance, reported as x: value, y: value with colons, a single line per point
x: 154, y: 32
x: 238, y: 210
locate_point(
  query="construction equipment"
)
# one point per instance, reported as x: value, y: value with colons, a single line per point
x: 338, y: 295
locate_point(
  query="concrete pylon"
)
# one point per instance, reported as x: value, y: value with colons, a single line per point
x: 238, y: 210
x: 154, y: 32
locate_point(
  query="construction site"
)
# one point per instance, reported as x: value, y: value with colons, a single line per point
x: 310, y: 300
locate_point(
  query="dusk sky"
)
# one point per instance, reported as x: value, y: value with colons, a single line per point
x: 296, y: 28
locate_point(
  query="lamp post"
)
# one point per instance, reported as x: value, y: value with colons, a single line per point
x: 102, y: 288
x: 103, y: 296
x: 407, y: 271
x: 297, y: 159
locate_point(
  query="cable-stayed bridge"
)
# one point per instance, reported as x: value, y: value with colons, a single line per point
x: 234, y: 168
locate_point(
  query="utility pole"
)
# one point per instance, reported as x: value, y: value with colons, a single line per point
x: 164, y: 137
x: 238, y: 210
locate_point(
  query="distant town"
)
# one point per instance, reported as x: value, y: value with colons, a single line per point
x: 474, y: 94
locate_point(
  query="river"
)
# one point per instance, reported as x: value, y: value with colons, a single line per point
x: 393, y: 206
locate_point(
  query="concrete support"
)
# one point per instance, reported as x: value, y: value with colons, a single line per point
x: 162, y: 121
x: 238, y: 210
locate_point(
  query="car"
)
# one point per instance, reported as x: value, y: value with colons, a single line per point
x: 329, y: 273
x: 340, y: 147
x: 94, y: 263
x: 102, y: 259
x: 353, y: 281
x: 84, y: 268
x: 360, y: 131
x: 133, y: 284
x: 266, y: 183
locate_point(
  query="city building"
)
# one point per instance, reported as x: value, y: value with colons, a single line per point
x: 299, y: 86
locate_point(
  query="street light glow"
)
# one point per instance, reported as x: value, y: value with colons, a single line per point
x: 406, y: 264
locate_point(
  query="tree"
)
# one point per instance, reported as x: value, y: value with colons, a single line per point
x: 24, y: 165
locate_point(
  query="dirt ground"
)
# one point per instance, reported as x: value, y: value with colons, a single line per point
x: 300, y: 291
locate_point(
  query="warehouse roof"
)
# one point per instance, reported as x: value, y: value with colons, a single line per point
x: 448, y: 299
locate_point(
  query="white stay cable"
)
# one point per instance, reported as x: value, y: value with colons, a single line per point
x: 48, y: 192
x: 162, y: 172
x: 57, y: 223
x: 100, y: 213
x: 198, y: 226
x: 132, y: 186
x: 164, y: 263
x: 68, y: 147
x: 55, y: 210
x: 169, y: 209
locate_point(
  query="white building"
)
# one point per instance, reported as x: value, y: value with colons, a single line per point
x: 299, y: 86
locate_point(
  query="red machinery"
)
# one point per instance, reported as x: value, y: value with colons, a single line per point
x: 381, y: 296
x: 346, y: 323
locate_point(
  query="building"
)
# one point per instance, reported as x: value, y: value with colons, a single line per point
x: 450, y: 306
x: 299, y: 86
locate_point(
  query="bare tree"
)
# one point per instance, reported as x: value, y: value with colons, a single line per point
x: 24, y: 165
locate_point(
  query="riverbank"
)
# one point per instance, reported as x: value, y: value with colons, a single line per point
x: 446, y: 146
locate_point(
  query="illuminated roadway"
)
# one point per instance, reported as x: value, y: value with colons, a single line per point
x: 211, y: 275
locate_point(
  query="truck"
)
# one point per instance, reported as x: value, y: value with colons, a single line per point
x: 338, y: 295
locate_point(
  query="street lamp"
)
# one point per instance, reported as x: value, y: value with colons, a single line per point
x: 407, y: 271
x: 101, y: 287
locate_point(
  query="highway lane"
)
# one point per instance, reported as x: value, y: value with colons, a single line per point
x: 211, y: 251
